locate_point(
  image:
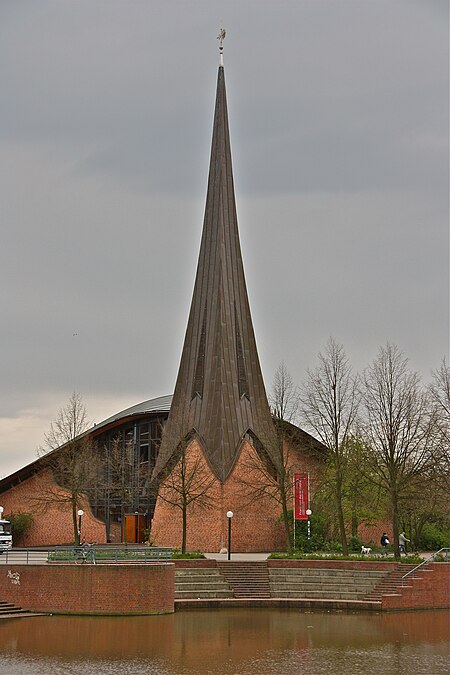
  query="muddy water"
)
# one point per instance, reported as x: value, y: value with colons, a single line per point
x: 228, y: 642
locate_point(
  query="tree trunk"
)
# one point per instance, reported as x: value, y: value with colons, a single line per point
x: 354, y: 515
x: 76, y: 533
x: 395, y: 522
x: 340, y: 512
x: 183, y: 543
x: 287, y: 525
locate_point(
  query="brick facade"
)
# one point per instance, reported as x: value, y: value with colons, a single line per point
x: 52, y: 523
x: 256, y: 523
x: 90, y: 589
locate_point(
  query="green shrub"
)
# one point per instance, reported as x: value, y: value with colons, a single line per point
x: 298, y: 555
x: 192, y: 555
x: 20, y: 524
x: 434, y: 537
x: 354, y: 544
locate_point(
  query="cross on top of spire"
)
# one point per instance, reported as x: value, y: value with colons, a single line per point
x: 221, y: 38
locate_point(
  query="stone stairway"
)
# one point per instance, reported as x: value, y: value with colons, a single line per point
x: 247, y: 579
x: 240, y: 581
x: 201, y: 583
x: 8, y: 609
x: 391, y: 583
x: 324, y: 584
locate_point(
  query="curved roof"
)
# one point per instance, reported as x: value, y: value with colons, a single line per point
x: 153, y: 405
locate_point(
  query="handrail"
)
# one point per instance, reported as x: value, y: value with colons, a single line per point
x: 87, y: 553
x: 424, y: 562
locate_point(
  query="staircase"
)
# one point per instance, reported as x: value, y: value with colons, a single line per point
x: 8, y: 609
x: 201, y: 583
x: 247, y: 579
x: 234, y: 582
x: 391, y: 584
x: 323, y: 583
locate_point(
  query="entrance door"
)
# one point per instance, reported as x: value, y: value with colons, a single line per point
x: 133, y: 529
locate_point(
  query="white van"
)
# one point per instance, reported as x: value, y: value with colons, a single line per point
x: 5, y: 536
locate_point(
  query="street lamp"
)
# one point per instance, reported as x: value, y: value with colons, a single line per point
x: 229, y: 516
x: 80, y: 515
x: 308, y: 513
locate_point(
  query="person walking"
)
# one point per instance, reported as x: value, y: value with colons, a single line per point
x: 402, y: 543
x: 384, y: 541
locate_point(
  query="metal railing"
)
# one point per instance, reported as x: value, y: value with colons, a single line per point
x: 87, y: 553
x: 445, y: 552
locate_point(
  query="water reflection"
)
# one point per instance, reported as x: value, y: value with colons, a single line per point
x: 231, y: 642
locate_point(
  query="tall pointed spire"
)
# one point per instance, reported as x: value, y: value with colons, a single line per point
x: 219, y: 394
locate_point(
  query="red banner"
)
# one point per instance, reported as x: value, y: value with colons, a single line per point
x: 301, y: 497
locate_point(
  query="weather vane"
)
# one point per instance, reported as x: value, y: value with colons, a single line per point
x: 221, y: 38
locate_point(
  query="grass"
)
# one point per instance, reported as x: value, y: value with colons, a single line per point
x: 298, y: 555
x: 193, y: 555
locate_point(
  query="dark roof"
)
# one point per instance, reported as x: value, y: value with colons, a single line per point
x: 152, y: 406
x: 219, y: 393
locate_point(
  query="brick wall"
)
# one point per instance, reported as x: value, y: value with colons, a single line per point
x: 90, y: 589
x: 430, y: 588
x: 256, y: 524
x: 371, y: 533
x: 52, y: 523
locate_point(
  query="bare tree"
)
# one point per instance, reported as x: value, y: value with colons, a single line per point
x: 284, y: 397
x: 189, y: 482
x: 329, y: 404
x: 361, y: 489
x: 400, y: 427
x: 270, y: 474
x: 440, y: 396
x: 71, y: 457
x: 118, y: 485
x: 440, y: 389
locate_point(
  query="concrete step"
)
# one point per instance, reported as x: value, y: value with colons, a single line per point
x: 324, y: 595
x: 13, y: 610
x: 323, y: 582
x: 200, y: 577
x: 248, y: 580
x: 183, y: 595
x: 330, y: 590
x: 328, y: 574
x: 199, y: 571
x: 200, y: 583
x: 188, y: 586
x: 391, y: 584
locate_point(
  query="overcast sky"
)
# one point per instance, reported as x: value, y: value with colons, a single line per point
x: 339, y: 128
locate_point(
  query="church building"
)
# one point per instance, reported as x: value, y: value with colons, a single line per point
x: 211, y: 449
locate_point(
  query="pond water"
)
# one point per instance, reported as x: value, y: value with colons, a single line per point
x: 228, y: 642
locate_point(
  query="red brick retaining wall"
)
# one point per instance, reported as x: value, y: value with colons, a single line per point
x: 429, y: 588
x: 90, y: 589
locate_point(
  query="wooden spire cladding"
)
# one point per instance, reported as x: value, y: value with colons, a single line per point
x: 219, y: 394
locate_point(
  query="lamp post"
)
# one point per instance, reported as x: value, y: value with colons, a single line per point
x: 229, y: 516
x: 80, y: 515
x: 308, y: 513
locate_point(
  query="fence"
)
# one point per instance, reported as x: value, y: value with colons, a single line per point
x: 87, y: 553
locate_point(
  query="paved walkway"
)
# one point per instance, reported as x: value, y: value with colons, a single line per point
x: 253, y: 557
